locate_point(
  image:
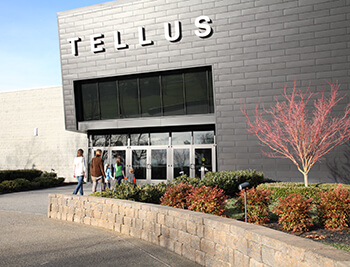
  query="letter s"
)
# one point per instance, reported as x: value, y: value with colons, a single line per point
x: 207, y: 29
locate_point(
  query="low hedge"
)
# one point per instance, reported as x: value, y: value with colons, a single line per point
x: 22, y: 184
x: 281, y: 190
x: 230, y: 180
x: 225, y: 180
x: 10, y: 175
x: 148, y: 193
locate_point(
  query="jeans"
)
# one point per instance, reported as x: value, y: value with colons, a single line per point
x: 119, y: 179
x: 79, y: 186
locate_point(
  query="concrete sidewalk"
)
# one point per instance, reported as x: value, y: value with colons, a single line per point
x: 29, y: 238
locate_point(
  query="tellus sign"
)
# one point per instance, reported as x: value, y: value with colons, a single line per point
x: 204, y: 30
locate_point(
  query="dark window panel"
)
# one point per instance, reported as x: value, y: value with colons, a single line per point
x: 91, y: 109
x: 108, y: 100
x: 173, y: 94
x: 210, y: 92
x: 196, y: 93
x: 150, y: 96
x: 129, y: 98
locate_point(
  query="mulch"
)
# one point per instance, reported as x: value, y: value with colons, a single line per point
x: 319, y: 234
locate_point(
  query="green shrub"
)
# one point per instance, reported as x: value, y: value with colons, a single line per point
x: 230, y: 180
x: 49, y: 175
x: 152, y: 193
x: 45, y: 182
x: 334, y: 208
x: 8, y: 186
x: 29, y: 175
x: 176, y: 195
x: 22, y: 184
x: 149, y: 193
x: 281, y: 190
x: 258, y: 201
x: 108, y: 194
x: 208, y: 200
x: 189, y: 180
x: 127, y: 190
x: 294, y: 212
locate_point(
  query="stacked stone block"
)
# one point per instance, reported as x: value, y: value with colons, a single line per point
x: 203, y: 238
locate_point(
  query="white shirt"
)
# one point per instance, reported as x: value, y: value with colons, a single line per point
x: 79, y: 167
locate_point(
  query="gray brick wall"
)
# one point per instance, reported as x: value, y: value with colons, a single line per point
x: 256, y: 48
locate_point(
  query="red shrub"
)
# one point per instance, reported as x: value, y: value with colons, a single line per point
x: 257, y: 205
x: 334, y: 208
x: 294, y: 212
x: 208, y: 200
x: 176, y: 196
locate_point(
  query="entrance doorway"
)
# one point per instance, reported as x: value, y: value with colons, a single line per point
x: 157, y: 157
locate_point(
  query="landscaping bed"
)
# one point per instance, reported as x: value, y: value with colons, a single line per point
x: 287, y: 207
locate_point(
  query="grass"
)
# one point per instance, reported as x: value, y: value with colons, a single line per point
x: 339, y: 246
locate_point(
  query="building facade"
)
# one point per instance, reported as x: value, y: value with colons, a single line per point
x: 33, y: 134
x: 160, y: 83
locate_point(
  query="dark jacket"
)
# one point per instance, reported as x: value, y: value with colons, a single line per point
x: 96, y: 167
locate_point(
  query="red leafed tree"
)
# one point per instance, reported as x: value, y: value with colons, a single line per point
x: 294, y: 133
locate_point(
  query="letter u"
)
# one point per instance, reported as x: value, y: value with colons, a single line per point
x: 167, y: 31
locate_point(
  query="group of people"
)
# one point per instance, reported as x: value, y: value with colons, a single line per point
x: 99, y: 172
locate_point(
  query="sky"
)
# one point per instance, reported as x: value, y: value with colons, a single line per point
x: 29, y: 48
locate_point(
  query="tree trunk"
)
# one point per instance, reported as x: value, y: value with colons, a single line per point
x: 306, y: 181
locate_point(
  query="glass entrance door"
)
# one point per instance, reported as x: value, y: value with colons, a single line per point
x: 181, y: 162
x: 203, y: 159
x: 158, y: 156
x: 139, y: 163
x: 159, y: 162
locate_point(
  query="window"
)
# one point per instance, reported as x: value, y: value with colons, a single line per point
x: 173, y: 98
x: 171, y: 93
x: 197, y: 95
x: 129, y: 104
x: 181, y: 138
x: 108, y: 100
x: 203, y: 137
x: 159, y: 139
x: 150, y: 97
x: 90, y: 101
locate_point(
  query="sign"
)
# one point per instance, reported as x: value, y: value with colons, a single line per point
x: 202, y: 24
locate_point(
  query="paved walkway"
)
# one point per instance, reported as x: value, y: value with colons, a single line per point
x: 29, y: 238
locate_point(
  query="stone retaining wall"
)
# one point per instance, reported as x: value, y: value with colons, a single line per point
x: 206, y: 239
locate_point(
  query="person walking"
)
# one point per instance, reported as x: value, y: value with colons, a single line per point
x: 109, y: 176
x: 131, y: 176
x: 119, y: 173
x: 96, y: 169
x: 79, y: 170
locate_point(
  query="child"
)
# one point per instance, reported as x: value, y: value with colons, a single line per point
x: 108, y: 175
x: 131, y: 176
